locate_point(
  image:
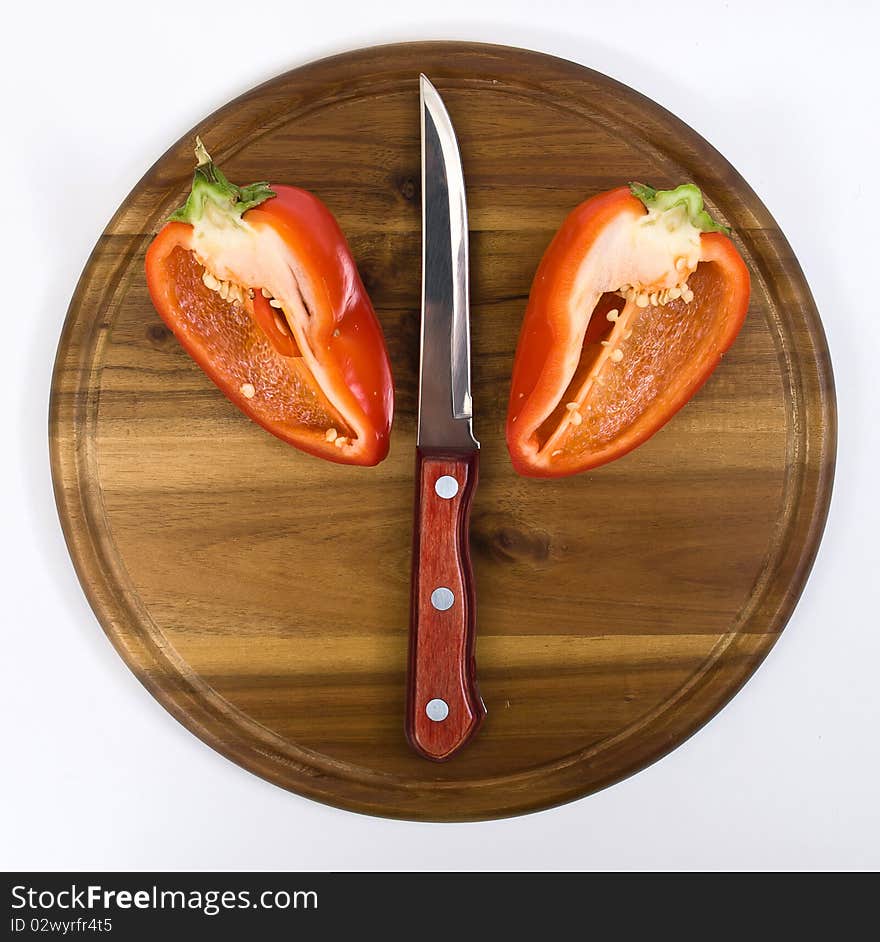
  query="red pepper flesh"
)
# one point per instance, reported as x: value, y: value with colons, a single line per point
x: 631, y: 309
x: 295, y: 343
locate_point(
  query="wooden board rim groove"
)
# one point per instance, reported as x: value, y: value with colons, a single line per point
x: 273, y: 757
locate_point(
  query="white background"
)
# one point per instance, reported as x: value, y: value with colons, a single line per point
x: 97, y: 775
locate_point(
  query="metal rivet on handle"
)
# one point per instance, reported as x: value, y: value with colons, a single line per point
x: 442, y: 598
x: 446, y: 486
x: 437, y: 710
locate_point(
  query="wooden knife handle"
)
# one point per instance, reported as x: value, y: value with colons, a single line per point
x: 444, y: 707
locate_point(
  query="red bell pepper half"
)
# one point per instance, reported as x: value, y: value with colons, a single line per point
x: 632, y: 306
x: 260, y: 288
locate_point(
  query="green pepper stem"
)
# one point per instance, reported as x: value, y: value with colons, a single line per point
x: 211, y: 191
x: 202, y: 155
x: 687, y: 196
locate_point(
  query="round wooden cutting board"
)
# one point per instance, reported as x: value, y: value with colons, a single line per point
x: 262, y: 595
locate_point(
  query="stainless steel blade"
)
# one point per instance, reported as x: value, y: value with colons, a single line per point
x: 445, y: 409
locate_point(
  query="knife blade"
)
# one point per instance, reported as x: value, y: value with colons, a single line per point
x: 444, y: 707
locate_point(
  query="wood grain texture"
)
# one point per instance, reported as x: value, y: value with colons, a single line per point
x: 441, y: 643
x: 263, y: 596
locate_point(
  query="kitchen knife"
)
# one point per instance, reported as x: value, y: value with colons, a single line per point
x: 444, y: 707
